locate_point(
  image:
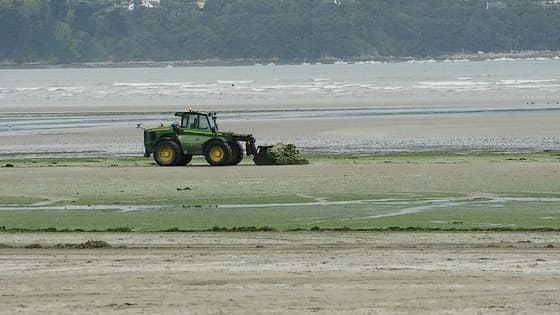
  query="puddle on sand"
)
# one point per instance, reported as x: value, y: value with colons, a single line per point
x: 412, y: 210
x: 493, y: 202
x: 123, y: 208
x: 406, y: 206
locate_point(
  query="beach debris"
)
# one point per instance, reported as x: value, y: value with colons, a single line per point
x: 183, y: 189
x: 33, y: 245
x: 85, y: 245
x: 280, y: 154
x: 8, y: 165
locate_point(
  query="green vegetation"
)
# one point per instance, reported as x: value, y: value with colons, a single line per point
x: 285, y: 154
x: 69, y: 31
x: 474, y: 216
x: 400, y: 191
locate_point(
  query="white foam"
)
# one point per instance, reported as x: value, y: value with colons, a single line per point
x: 194, y: 86
x: 422, y: 61
x: 501, y: 59
x: 25, y: 89
x: 517, y: 82
x: 235, y: 81
x: 149, y: 84
x: 385, y: 88
x: 456, y: 86
x: 537, y: 58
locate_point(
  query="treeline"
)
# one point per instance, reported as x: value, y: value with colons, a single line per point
x: 65, y: 31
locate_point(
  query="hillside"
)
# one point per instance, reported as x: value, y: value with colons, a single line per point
x: 54, y: 31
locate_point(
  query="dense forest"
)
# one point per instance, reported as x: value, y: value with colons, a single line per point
x: 66, y: 31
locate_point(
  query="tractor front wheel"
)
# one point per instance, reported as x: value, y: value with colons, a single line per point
x: 218, y: 153
x: 167, y: 153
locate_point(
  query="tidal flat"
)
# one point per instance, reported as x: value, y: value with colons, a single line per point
x: 428, y: 190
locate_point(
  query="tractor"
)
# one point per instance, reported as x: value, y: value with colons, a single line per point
x: 198, y: 134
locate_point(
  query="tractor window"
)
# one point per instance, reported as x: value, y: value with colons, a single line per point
x: 195, y: 121
x: 203, y: 123
x: 185, y: 121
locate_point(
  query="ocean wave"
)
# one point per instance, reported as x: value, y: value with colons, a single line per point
x: 235, y: 81
x: 501, y: 59
x: 150, y: 84
x: 537, y: 58
x: 74, y: 89
x: 456, y: 60
x: 25, y: 89
x: 422, y: 61
x: 385, y: 88
x: 518, y: 82
x: 462, y: 83
x: 196, y: 86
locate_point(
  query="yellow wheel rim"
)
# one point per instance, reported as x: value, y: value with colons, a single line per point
x: 165, y: 155
x: 217, y: 153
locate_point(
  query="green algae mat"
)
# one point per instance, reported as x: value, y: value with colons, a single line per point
x: 424, y: 191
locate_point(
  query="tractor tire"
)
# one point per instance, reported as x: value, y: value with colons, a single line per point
x: 218, y: 153
x: 185, y: 159
x: 236, y: 153
x: 167, y: 153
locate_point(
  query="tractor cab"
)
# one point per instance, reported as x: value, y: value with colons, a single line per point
x: 198, y: 121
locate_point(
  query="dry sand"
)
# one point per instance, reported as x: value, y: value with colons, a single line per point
x: 280, y: 273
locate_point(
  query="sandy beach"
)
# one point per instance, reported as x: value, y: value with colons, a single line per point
x: 304, y: 273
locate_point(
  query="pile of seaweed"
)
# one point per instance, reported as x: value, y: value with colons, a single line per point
x: 285, y: 154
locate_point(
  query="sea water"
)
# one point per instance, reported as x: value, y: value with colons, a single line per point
x: 272, y: 87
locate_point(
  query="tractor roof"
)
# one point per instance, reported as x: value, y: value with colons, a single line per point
x: 181, y: 114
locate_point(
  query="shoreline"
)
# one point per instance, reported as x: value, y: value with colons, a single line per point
x: 214, y: 62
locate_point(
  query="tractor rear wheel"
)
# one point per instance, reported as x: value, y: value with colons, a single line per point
x: 185, y: 159
x: 236, y: 153
x: 218, y: 153
x: 167, y: 153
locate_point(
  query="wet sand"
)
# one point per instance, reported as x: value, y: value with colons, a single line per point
x: 282, y: 273
x: 498, y: 131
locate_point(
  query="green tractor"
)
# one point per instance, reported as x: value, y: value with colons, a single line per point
x: 198, y: 134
